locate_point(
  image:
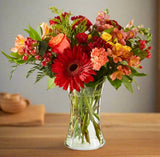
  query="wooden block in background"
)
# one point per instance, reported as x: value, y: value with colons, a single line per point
x: 33, y: 115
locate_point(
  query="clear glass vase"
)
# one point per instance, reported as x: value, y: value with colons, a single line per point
x: 84, y: 131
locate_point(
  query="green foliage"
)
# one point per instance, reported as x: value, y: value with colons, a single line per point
x: 14, y: 67
x: 116, y: 83
x: 42, y: 47
x: 33, y: 33
x: 39, y: 30
x: 109, y: 30
x: 32, y: 70
x: 51, y: 83
x: 141, y: 53
x: 136, y: 73
x: 40, y: 75
x: 14, y: 58
x: 55, y: 10
x: 106, y: 11
x: 127, y: 83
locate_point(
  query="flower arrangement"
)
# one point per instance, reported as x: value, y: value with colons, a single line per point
x: 79, y: 56
x: 75, y: 53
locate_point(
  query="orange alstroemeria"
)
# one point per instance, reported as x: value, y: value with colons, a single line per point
x: 134, y: 61
x: 19, y: 45
x: 121, y: 70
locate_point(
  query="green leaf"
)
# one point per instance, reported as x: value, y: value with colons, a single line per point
x: 42, y: 47
x: 106, y: 11
x: 51, y: 83
x: 141, y: 53
x: 109, y: 30
x: 40, y: 75
x: 8, y: 57
x: 13, y: 70
x: 116, y: 83
x: 39, y: 30
x: 54, y: 10
x: 15, y: 54
x: 31, y: 71
x: 33, y: 33
x: 127, y: 83
x: 136, y: 73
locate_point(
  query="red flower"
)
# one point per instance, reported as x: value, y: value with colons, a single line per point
x: 81, y: 18
x: 99, y: 43
x: 53, y: 21
x: 73, y: 68
x: 82, y: 37
x: 114, y: 23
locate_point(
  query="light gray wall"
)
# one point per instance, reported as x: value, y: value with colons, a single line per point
x: 15, y: 15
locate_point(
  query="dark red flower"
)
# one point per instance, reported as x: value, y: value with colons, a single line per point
x: 82, y: 37
x: 81, y: 18
x: 114, y: 23
x: 54, y: 21
x: 99, y: 43
x: 73, y: 68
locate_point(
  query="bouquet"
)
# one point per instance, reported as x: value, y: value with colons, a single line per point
x: 75, y: 53
x: 79, y: 56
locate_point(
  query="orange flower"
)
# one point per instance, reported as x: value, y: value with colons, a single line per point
x: 116, y: 75
x: 121, y: 70
x: 134, y: 61
x: 19, y: 45
x: 98, y: 58
x: 59, y: 43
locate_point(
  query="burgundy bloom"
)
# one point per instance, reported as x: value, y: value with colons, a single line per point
x: 98, y: 42
x: 53, y: 21
x: 114, y: 23
x: 81, y: 18
x: 82, y: 37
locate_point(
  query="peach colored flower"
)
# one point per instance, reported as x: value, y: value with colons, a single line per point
x: 132, y: 33
x: 19, y: 45
x: 98, y: 58
x: 116, y: 75
x: 45, y: 30
x: 119, y: 36
x: 130, y: 24
x: 101, y: 21
x: 134, y: 61
x: 121, y: 70
x: 59, y: 43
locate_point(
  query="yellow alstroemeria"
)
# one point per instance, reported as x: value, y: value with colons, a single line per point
x: 106, y: 36
x: 120, y: 46
x: 127, y: 48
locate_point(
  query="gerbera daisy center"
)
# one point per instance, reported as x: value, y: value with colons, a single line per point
x: 73, y: 67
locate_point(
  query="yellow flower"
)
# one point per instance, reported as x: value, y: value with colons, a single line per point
x: 106, y: 36
x: 127, y: 48
x: 89, y: 36
x: 118, y: 46
x: 109, y: 42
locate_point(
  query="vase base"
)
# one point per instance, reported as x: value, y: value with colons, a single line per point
x: 85, y: 146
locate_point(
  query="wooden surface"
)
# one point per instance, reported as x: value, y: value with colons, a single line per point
x: 126, y: 135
